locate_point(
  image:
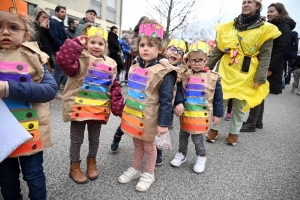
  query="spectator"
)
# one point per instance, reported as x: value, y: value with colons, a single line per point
x: 125, y: 44
x: 114, y: 48
x: 73, y: 23
x: 295, y: 68
x: 90, y: 16
x: 58, y: 31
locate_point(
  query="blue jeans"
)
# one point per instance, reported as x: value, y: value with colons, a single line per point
x: 58, y: 74
x: 33, y: 174
x: 119, y: 131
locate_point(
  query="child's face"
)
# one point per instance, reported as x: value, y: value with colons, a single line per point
x: 148, y: 50
x: 197, y: 60
x: 12, y: 31
x: 96, y: 46
x: 174, y: 55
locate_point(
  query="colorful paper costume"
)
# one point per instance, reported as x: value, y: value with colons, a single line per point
x: 14, y: 7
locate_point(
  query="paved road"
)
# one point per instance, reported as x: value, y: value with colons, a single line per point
x: 263, y: 165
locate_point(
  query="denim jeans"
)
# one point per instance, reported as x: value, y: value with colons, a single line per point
x: 57, y: 76
x: 119, y: 132
x: 33, y: 174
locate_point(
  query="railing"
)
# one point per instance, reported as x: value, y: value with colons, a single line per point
x: 111, y: 14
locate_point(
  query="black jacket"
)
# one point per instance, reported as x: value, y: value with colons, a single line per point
x: 279, y: 51
x: 295, y: 64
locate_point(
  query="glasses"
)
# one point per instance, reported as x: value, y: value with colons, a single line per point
x: 194, y: 61
x: 13, y: 29
x: 174, y: 50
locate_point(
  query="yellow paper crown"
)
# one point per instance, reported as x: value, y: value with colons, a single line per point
x: 178, y: 44
x: 92, y: 31
x: 197, y: 46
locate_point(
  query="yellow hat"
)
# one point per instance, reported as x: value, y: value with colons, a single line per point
x: 178, y: 44
x: 196, y: 46
x: 92, y: 31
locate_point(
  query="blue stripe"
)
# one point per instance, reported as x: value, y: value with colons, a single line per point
x: 96, y: 88
x: 136, y: 86
x: 195, y: 100
x: 97, y: 81
x: 12, y: 104
x: 136, y: 95
x: 195, y: 94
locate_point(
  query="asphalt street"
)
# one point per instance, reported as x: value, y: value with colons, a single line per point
x: 263, y: 165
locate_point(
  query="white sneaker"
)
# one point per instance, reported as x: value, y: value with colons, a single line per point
x: 178, y: 160
x: 145, y: 182
x: 129, y: 175
x: 200, y: 164
x: 58, y: 96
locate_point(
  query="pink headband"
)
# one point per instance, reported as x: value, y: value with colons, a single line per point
x: 152, y: 30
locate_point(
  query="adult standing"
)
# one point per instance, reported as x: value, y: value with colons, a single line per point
x: 73, y: 23
x: 244, y: 47
x: 90, y: 16
x: 125, y: 44
x: 58, y: 31
x: 114, y: 48
x: 278, y: 16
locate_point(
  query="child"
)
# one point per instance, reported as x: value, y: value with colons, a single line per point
x: 148, y: 109
x: 25, y: 86
x: 89, y: 92
x: 202, y: 99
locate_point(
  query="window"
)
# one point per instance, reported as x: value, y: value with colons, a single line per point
x: 96, y: 5
x: 31, y: 8
x: 52, y: 13
x: 111, y: 10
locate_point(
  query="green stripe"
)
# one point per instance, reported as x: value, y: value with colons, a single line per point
x: 191, y: 107
x: 135, y: 104
x: 93, y: 95
x: 25, y: 114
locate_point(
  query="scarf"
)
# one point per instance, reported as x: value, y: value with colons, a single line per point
x: 242, y: 23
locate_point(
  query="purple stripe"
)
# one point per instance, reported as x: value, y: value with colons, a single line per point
x: 100, y: 75
x: 15, y: 77
x: 138, y: 78
x: 195, y: 87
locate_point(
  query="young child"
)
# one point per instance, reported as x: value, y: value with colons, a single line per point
x: 148, y: 109
x: 90, y: 94
x: 25, y: 86
x: 203, y: 101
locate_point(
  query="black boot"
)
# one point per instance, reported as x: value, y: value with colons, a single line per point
x: 115, y: 144
x: 159, y: 160
x: 248, y: 128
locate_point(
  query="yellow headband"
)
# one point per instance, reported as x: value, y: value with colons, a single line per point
x: 92, y: 31
x: 196, y: 46
x: 178, y: 44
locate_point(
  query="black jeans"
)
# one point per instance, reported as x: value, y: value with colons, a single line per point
x: 256, y: 114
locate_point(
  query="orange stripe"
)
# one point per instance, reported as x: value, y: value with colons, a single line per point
x: 190, y: 127
x: 35, y: 134
x: 189, y: 120
x: 131, y: 120
x: 132, y: 131
x: 87, y: 115
x: 27, y: 147
x: 91, y: 109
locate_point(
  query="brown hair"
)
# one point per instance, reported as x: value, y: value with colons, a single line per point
x: 37, y: 13
x: 283, y: 14
x: 58, y: 7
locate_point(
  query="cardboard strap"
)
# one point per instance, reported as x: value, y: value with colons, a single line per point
x: 91, y: 109
x: 96, y: 88
x: 134, y: 112
x: 93, y: 95
x: 195, y: 87
x: 188, y: 120
x: 27, y: 147
x: 198, y: 100
x: 141, y: 71
x: 100, y: 75
x: 134, y: 104
x: 102, y: 67
x: 138, y: 78
x: 133, y: 121
x: 194, y: 114
x: 88, y: 115
x: 35, y: 135
x: 92, y: 102
x: 136, y: 86
x: 190, y: 127
x: 31, y: 125
x: 15, y: 77
x: 12, y: 104
x: 19, y: 67
x: 133, y: 131
x: 195, y: 93
x: 195, y: 80
x: 25, y: 114
x: 93, y: 80
x: 136, y: 95
x: 191, y: 107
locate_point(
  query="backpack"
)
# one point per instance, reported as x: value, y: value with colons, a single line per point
x: 293, y: 47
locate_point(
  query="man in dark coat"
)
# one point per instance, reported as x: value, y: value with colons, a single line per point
x: 114, y: 48
x: 90, y: 16
x: 73, y: 23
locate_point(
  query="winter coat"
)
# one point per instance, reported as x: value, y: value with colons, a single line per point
x: 113, y: 46
x: 91, y: 90
x: 70, y: 33
x: 59, y: 33
x: 295, y: 64
x: 279, y: 51
x: 79, y: 28
x: 125, y: 47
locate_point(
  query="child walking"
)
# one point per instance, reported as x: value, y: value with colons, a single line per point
x: 148, y: 109
x: 90, y: 94
x: 200, y: 103
x: 25, y: 87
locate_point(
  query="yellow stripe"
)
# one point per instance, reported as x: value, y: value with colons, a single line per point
x: 32, y: 125
x: 134, y: 112
x: 93, y: 102
x: 194, y: 114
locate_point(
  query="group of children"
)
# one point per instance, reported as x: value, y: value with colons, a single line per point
x: 157, y: 87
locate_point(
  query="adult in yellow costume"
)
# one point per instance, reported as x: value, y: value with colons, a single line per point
x: 244, y: 49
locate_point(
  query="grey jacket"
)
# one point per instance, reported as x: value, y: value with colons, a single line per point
x: 80, y: 26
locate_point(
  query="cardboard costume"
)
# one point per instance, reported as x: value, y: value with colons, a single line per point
x: 25, y: 64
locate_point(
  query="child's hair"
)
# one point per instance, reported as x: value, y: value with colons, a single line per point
x: 158, y: 41
x: 29, y: 27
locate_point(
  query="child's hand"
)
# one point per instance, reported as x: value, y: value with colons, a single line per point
x: 179, y: 109
x: 161, y: 130
x: 2, y: 89
x: 255, y: 85
x: 83, y: 39
x: 216, y: 120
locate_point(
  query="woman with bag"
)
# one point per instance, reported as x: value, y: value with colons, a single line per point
x: 115, y: 49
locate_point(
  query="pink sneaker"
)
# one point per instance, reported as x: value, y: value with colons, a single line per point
x: 228, y: 117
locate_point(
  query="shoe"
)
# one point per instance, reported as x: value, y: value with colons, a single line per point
x: 259, y: 125
x: 212, y: 136
x: 200, y: 164
x: 159, y: 160
x: 115, y: 144
x: 129, y: 175
x: 228, y: 117
x: 232, y: 139
x: 61, y: 87
x: 76, y: 174
x: 178, y: 160
x: 92, y: 172
x: 58, y: 96
x: 145, y: 182
x: 248, y: 127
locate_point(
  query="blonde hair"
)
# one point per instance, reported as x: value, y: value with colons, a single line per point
x: 37, y: 13
x: 29, y: 27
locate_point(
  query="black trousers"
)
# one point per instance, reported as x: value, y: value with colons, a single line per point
x: 256, y: 114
